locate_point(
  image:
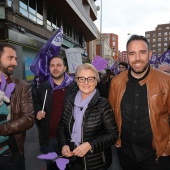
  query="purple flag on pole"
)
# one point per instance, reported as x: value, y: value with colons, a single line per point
x: 40, y: 65
x: 114, y: 67
x: 165, y: 58
x: 153, y: 59
x: 99, y: 63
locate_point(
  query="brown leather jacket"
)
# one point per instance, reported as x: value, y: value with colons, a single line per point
x: 158, y: 91
x: 22, y: 117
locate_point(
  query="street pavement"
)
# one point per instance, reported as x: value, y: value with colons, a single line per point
x: 32, y: 151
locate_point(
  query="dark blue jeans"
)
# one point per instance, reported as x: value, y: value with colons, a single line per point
x: 52, y: 147
x: 9, y: 161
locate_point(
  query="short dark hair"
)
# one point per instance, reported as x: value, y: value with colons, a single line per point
x: 137, y: 37
x: 123, y: 64
x: 58, y: 57
x: 3, y: 45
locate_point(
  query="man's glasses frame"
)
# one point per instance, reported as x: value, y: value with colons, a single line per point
x: 83, y: 79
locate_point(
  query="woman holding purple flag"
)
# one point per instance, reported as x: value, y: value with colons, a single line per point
x: 87, y: 128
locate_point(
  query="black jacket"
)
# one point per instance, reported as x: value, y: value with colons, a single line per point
x: 98, y: 128
x: 44, y: 124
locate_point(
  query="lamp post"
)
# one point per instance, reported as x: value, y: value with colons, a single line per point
x: 101, y: 29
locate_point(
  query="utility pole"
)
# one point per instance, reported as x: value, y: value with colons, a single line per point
x: 101, y: 30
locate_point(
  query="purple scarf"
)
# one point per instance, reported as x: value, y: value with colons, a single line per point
x: 79, y: 108
x: 67, y: 80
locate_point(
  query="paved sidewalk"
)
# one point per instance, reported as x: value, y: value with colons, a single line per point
x: 32, y: 150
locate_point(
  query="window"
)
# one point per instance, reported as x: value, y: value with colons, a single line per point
x: 9, y: 2
x: 153, y: 51
x: 165, y: 38
x: 113, y: 43
x: 153, y: 45
x: 165, y: 33
x: 159, y: 50
x: 147, y: 35
x: 165, y: 44
x: 114, y: 38
x: 32, y: 10
x: 159, y: 33
x: 159, y: 39
x: 154, y: 35
x: 167, y: 28
x: 159, y: 44
x: 154, y: 40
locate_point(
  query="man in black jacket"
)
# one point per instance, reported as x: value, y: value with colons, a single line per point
x: 48, y: 112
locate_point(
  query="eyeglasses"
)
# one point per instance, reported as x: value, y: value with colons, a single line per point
x: 83, y: 79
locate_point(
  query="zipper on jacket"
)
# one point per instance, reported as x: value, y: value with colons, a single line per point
x: 70, y: 118
x: 82, y: 142
x: 103, y: 156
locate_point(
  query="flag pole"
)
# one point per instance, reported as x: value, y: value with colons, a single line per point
x: 44, y: 101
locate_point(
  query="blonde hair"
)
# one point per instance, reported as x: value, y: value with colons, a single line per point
x: 87, y: 66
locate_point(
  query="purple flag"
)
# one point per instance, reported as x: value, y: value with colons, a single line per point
x: 40, y: 65
x: 99, y: 63
x: 153, y: 59
x: 114, y: 67
x: 165, y: 58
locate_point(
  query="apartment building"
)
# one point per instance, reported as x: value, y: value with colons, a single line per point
x: 28, y: 24
x: 159, y: 38
x: 123, y: 56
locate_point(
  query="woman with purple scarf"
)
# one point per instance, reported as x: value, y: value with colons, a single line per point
x: 87, y: 128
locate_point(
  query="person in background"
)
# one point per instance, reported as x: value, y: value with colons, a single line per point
x: 164, y: 67
x: 56, y: 90
x: 102, y: 85
x: 87, y: 128
x: 140, y: 98
x: 20, y: 107
x: 123, y: 66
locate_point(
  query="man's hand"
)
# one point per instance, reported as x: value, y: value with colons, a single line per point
x: 40, y: 115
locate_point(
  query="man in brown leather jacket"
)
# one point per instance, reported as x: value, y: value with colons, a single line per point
x: 20, y: 117
x: 140, y: 98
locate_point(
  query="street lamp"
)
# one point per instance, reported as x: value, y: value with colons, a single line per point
x: 128, y: 35
x: 101, y: 29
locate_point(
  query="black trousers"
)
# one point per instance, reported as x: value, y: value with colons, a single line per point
x: 129, y: 163
x: 12, y: 162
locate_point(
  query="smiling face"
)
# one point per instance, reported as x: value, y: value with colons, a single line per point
x: 8, y: 61
x: 138, y: 57
x: 86, y: 88
x: 57, y: 68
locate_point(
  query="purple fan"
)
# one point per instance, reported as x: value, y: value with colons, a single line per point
x: 60, y: 162
x: 7, y: 88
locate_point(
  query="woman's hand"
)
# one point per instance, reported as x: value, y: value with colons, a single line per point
x: 82, y: 149
x: 66, y: 151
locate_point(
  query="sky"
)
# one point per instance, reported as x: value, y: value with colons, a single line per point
x: 123, y: 17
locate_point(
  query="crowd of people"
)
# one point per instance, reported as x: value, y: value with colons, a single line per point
x: 91, y: 118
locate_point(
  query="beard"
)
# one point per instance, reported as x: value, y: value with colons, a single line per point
x: 6, y: 71
x: 141, y: 71
x: 57, y: 77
